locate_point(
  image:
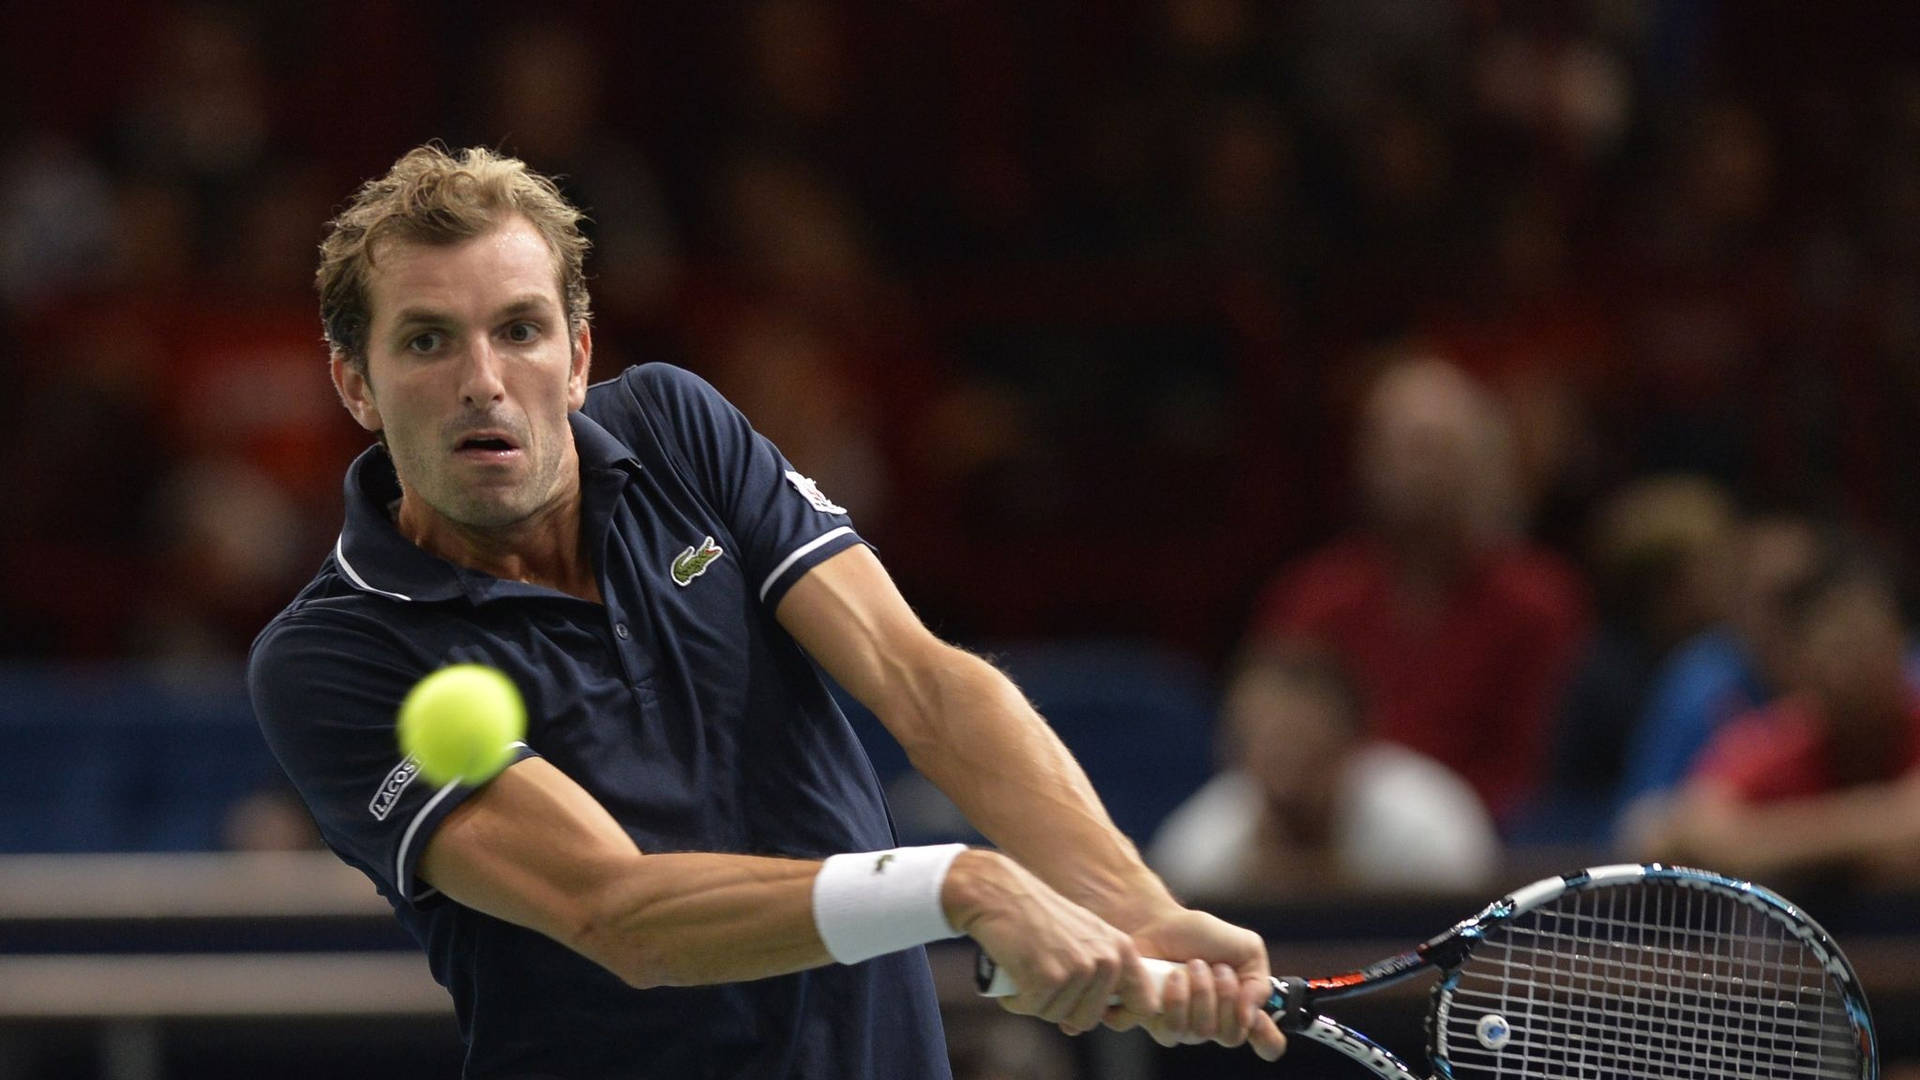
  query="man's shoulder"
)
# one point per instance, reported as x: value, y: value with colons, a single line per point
x: 659, y: 409
x: 328, y: 612
x: 642, y: 386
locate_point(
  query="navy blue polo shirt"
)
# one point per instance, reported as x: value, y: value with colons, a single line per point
x: 680, y: 704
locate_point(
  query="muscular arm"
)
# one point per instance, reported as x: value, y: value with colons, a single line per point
x: 536, y: 849
x: 970, y: 731
x: 533, y: 848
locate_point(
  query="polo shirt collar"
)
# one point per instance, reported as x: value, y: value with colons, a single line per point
x: 376, y: 559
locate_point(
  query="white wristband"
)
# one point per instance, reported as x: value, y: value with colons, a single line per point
x: 867, y: 904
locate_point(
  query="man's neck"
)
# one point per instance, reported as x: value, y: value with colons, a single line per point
x: 543, y: 549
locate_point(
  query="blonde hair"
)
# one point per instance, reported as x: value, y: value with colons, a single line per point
x: 431, y: 196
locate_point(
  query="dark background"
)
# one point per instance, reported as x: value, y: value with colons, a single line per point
x: 1070, y: 303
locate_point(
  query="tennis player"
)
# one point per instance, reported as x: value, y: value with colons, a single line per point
x: 688, y: 870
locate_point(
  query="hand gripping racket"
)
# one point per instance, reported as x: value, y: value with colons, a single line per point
x: 1610, y: 973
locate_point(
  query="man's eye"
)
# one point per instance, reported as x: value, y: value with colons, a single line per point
x: 424, y: 343
x: 521, y: 333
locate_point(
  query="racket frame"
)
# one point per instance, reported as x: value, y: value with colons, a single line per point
x: 1545, y: 891
x: 1294, y: 1000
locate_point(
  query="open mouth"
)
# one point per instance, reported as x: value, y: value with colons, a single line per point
x: 485, y: 447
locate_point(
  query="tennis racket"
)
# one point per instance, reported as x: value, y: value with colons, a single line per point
x: 1613, y: 972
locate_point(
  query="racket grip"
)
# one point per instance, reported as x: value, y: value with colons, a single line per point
x: 993, y: 981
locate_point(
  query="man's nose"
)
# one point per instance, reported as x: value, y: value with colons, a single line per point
x: 480, y: 383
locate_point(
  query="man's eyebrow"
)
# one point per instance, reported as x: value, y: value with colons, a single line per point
x: 525, y: 304
x: 409, y: 316
x: 532, y: 302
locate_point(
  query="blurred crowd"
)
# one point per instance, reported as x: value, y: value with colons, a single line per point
x: 1509, y: 398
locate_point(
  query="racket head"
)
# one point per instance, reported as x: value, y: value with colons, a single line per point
x: 1649, y: 971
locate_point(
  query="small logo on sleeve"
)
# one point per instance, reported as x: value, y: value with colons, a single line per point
x: 880, y: 864
x: 812, y: 493
x: 396, y: 782
x: 694, y: 561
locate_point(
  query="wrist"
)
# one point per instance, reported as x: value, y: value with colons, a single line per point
x: 870, y: 903
x: 977, y: 878
x: 1131, y: 905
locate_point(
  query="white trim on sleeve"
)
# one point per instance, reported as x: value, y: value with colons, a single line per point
x: 406, y: 839
x: 767, y: 586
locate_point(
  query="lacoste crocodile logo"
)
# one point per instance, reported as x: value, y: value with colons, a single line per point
x: 694, y: 561
x: 880, y: 864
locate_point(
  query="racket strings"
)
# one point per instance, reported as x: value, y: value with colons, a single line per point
x: 1652, y: 980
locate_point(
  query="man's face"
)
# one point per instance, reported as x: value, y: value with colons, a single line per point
x: 471, y: 371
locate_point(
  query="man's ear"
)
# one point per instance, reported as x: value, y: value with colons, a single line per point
x: 356, y: 393
x: 581, y: 363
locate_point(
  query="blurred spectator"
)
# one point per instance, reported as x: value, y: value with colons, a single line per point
x: 55, y: 221
x: 1044, y: 270
x: 271, y: 818
x: 201, y: 116
x: 1727, y: 670
x: 1542, y: 337
x: 1708, y: 295
x: 228, y: 545
x: 545, y: 104
x: 1306, y: 799
x: 1565, y: 89
x: 1828, y: 777
x: 1461, y: 634
x: 803, y: 326
x: 790, y: 382
x: 791, y: 229
x: 797, y: 64
x: 81, y: 445
x: 1660, y: 554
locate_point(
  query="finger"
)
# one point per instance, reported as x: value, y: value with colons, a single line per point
x: 1084, y: 1011
x: 1060, y: 1003
x: 1137, y: 988
x: 1175, y: 995
x: 1202, y: 1018
x: 1227, y: 1028
x: 1049, y: 1000
x: 1254, y: 994
x: 1266, y: 1039
x: 1121, y: 1018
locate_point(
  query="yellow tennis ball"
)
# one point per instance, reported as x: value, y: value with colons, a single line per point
x: 460, y: 723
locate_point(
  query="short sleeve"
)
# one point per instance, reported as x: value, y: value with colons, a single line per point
x: 325, y: 690
x: 786, y: 524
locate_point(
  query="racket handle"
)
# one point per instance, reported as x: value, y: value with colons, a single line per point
x: 993, y: 981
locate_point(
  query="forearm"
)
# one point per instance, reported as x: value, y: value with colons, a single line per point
x: 535, y: 849
x: 970, y: 731
x: 698, y: 919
